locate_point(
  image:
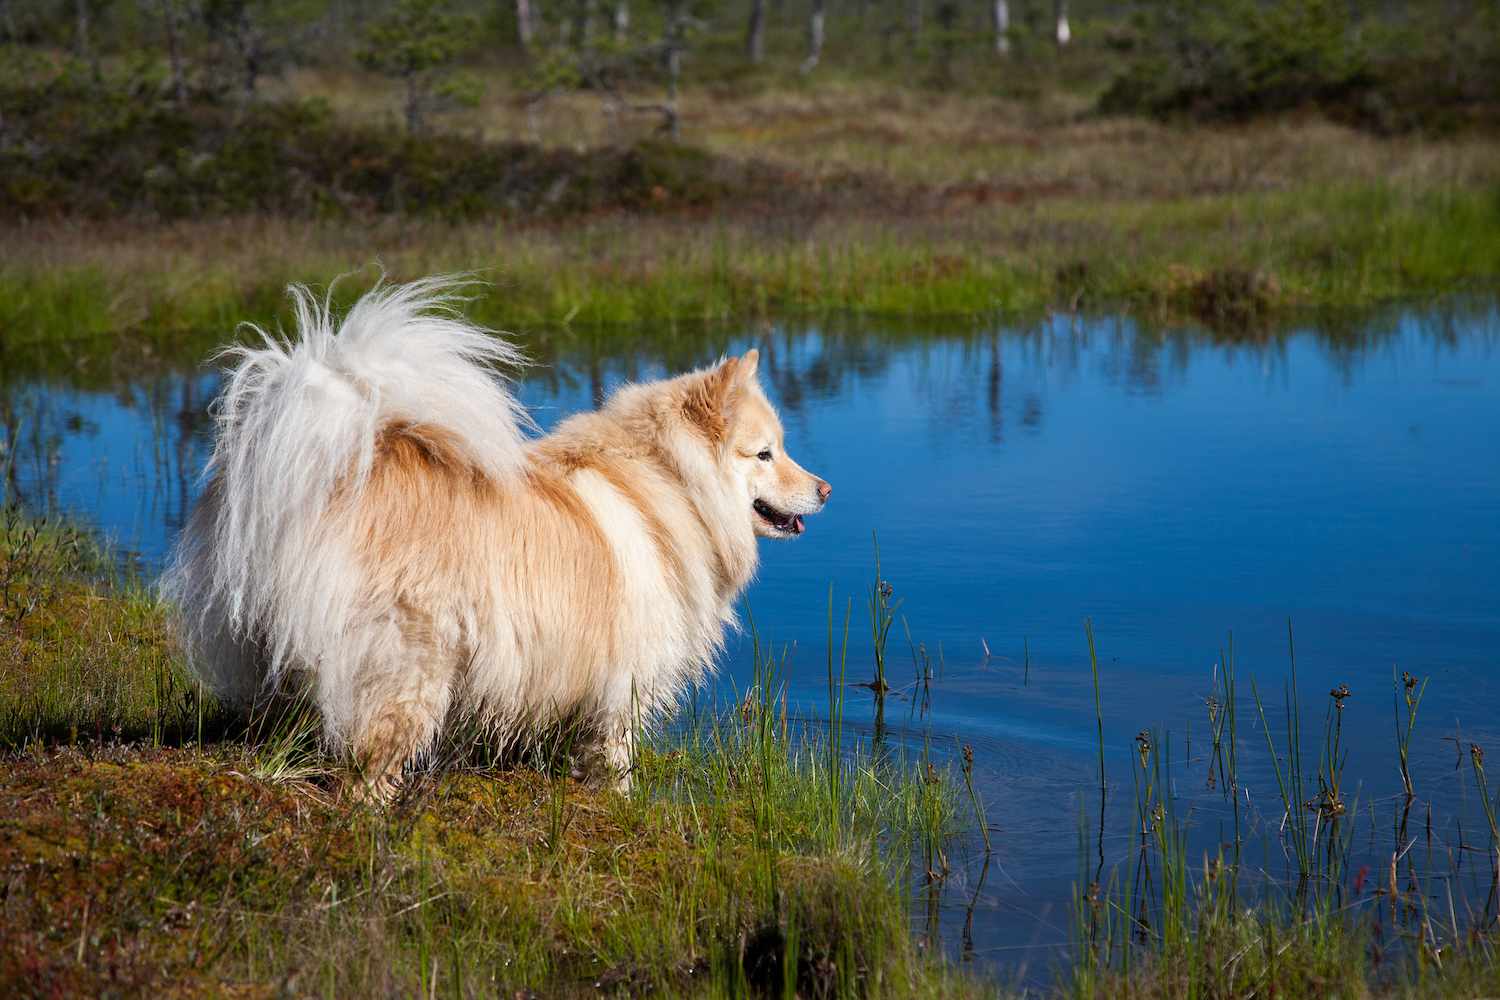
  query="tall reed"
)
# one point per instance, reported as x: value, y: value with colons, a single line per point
x: 1408, y: 691
x: 836, y: 720
x: 882, y: 617
x: 1289, y: 779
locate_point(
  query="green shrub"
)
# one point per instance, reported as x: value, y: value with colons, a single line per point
x: 1236, y: 57
x: 1427, y: 66
x: 71, y: 146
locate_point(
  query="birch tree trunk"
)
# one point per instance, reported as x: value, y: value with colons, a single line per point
x: 755, y: 32
x: 1001, y: 14
x: 1064, y: 33
x: 674, y: 74
x: 525, y: 31
x: 814, y: 37
x: 675, y: 37
x: 622, y: 19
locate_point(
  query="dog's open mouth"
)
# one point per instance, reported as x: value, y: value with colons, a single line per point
x: 789, y: 523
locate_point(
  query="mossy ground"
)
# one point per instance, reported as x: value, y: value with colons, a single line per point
x: 152, y: 843
x: 134, y: 868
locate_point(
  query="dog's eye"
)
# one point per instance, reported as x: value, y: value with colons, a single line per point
x: 765, y: 455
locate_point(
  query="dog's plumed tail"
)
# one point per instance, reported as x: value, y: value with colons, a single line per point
x: 261, y: 583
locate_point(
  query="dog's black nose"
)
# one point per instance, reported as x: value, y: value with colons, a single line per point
x: 824, y: 491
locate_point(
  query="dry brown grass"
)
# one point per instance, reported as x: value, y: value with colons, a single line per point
x: 900, y: 202
x: 1052, y: 145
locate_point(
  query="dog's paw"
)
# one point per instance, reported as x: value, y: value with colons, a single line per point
x: 378, y: 791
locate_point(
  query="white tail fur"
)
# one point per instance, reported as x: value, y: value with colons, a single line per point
x: 261, y: 586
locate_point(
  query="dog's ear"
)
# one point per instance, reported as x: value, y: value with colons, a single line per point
x: 725, y: 382
x: 746, y: 370
x: 711, y: 398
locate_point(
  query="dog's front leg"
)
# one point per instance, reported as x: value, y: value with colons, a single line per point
x: 619, y: 752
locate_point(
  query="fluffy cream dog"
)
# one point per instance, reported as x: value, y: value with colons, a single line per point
x: 379, y: 529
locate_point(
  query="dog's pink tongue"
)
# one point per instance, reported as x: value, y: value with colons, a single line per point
x: 797, y: 524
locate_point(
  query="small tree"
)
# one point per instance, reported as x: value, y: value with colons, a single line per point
x: 254, y: 38
x: 417, y: 42
x: 604, y: 65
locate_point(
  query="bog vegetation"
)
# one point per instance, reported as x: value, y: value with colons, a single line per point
x: 622, y: 162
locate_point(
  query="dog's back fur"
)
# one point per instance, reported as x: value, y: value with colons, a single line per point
x: 378, y: 525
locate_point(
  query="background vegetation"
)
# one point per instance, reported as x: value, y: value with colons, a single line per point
x: 1425, y: 64
x: 635, y: 161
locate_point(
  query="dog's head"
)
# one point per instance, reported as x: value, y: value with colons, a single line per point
x: 730, y: 406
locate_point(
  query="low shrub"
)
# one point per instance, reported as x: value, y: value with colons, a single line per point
x: 71, y: 145
x: 1432, y: 66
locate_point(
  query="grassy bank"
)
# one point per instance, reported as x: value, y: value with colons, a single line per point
x: 139, y: 867
x: 853, y: 199
x: 1224, y: 259
x: 152, y: 841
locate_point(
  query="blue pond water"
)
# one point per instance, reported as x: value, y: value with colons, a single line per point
x: 1170, y: 486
